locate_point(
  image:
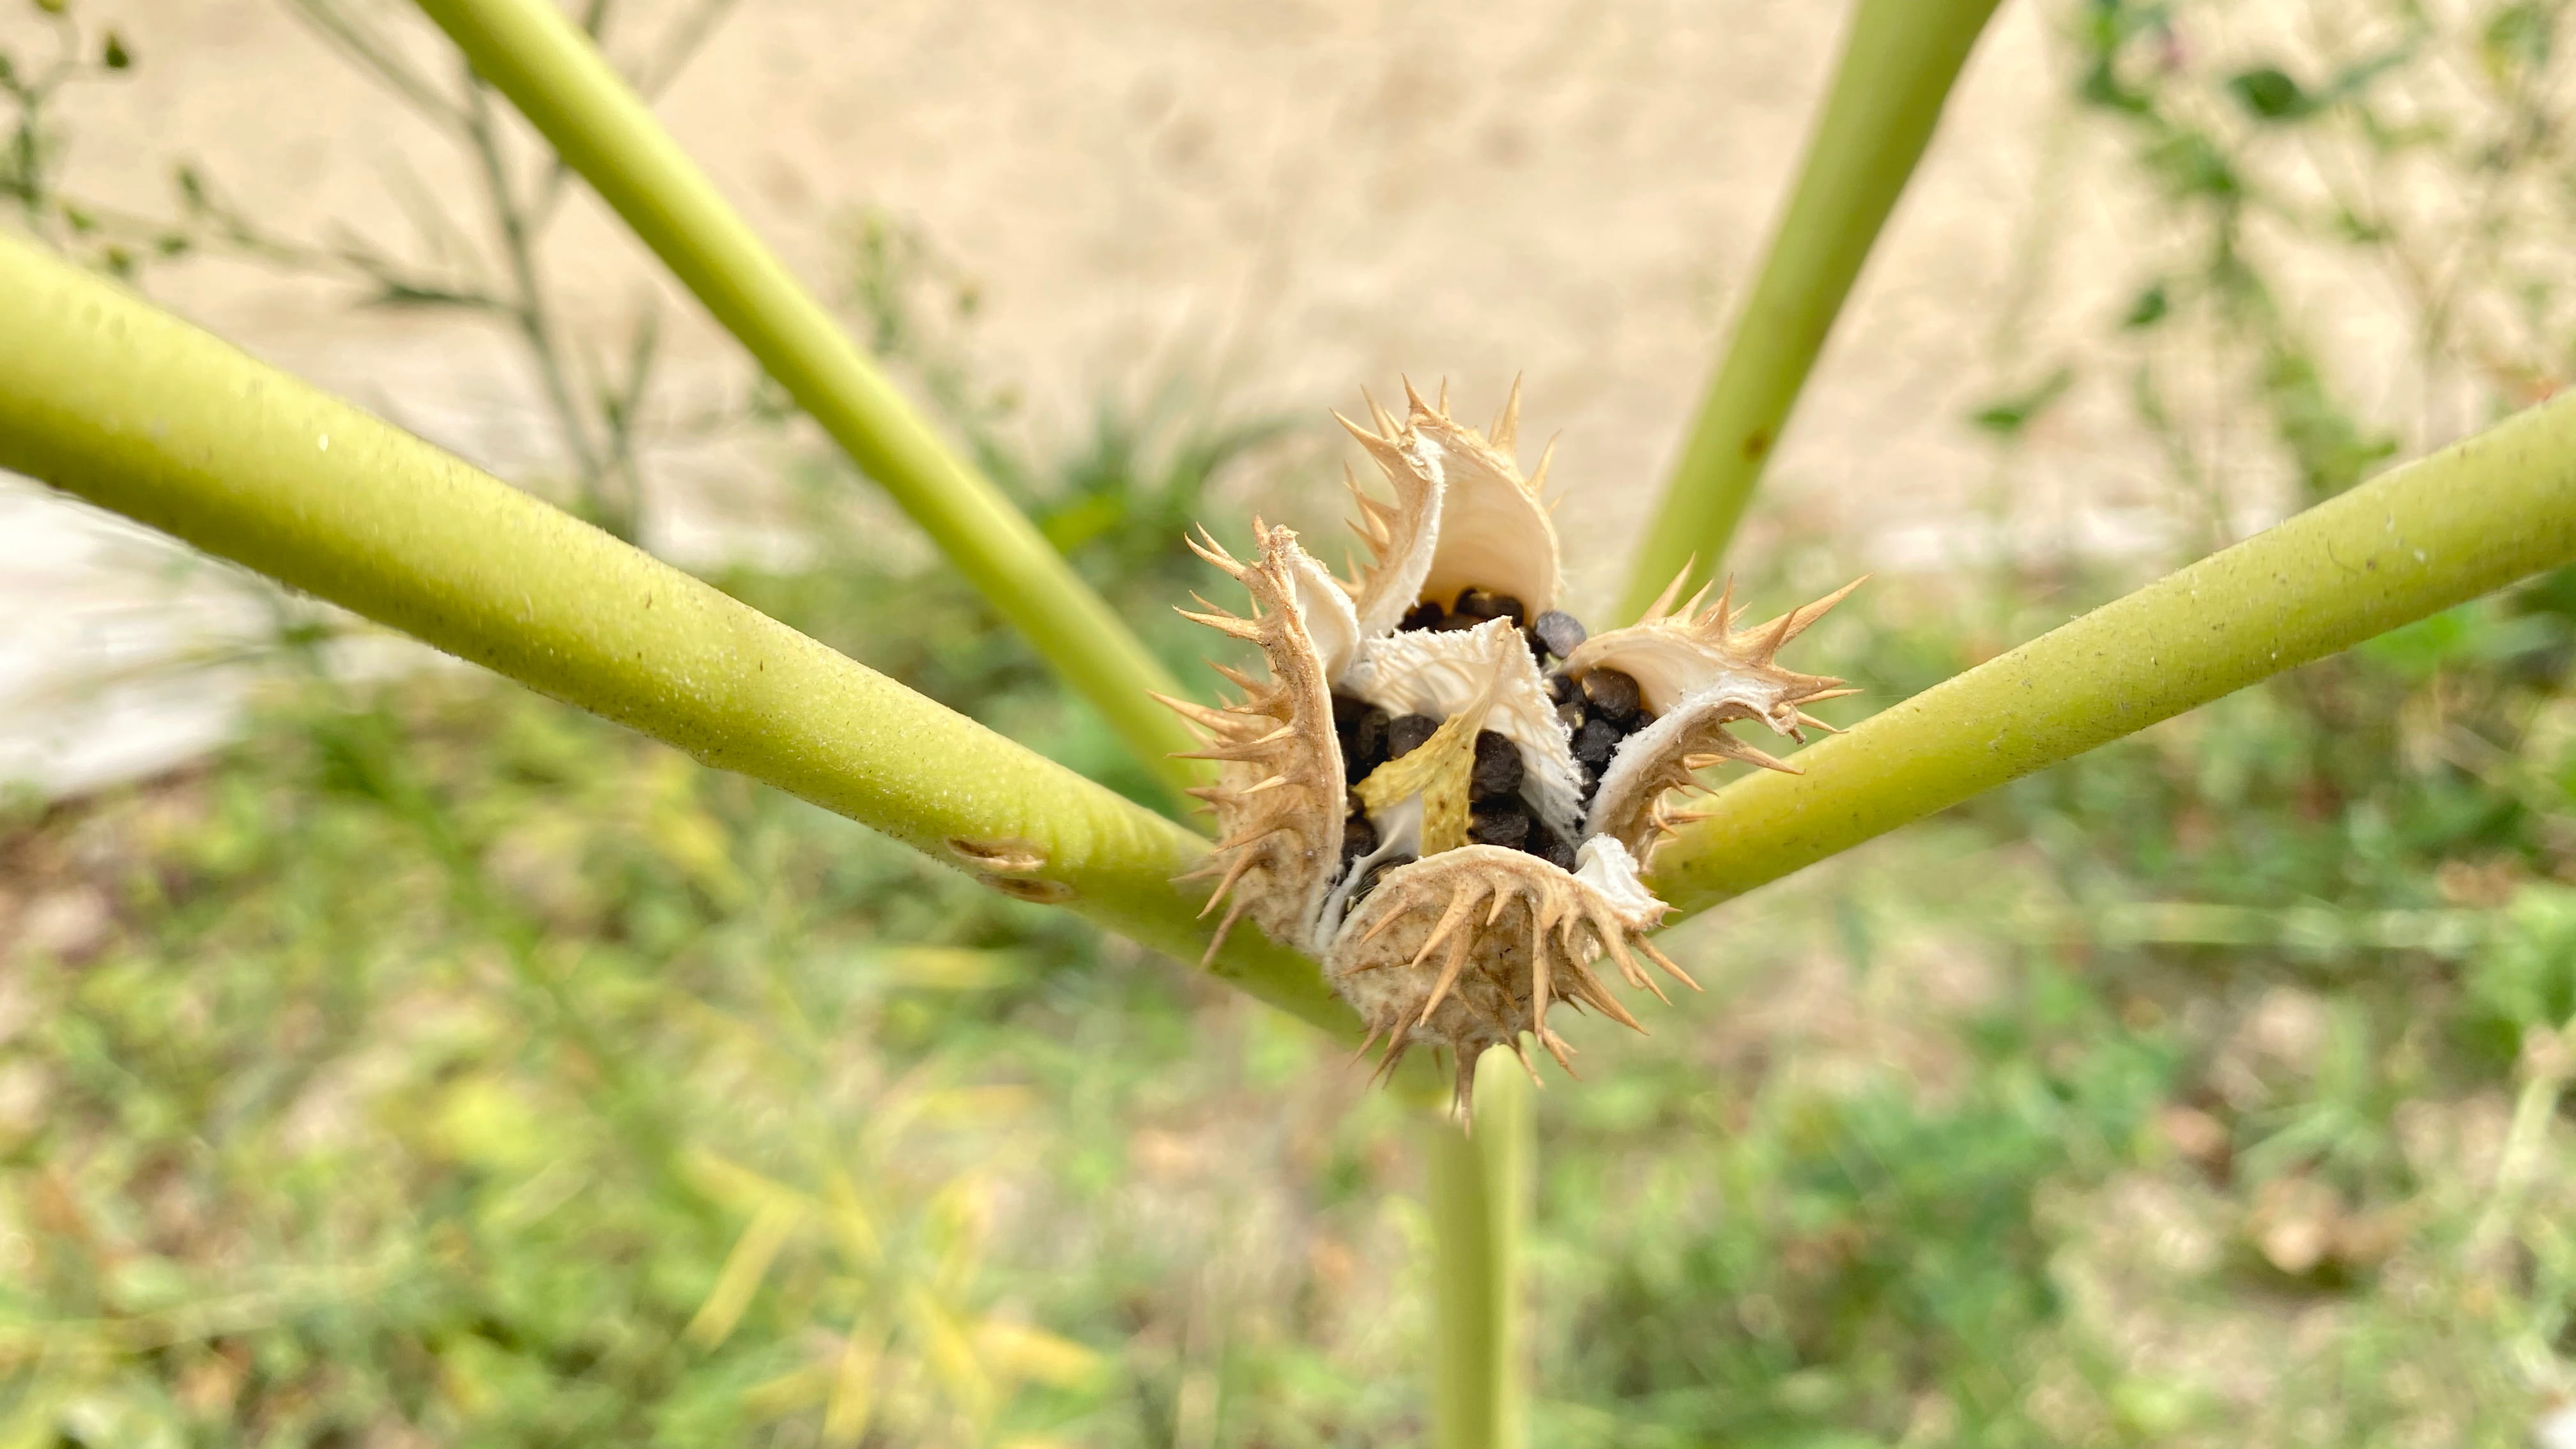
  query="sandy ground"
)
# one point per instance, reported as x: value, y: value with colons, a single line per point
x: 1298, y: 197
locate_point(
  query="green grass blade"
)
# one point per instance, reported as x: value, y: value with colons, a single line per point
x: 1896, y: 71
x: 550, y: 70
x: 2442, y: 530
x: 103, y: 396
x: 1479, y: 1193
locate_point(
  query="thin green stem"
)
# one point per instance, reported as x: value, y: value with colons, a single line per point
x: 538, y: 57
x: 535, y: 320
x: 2474, y: 517
x: 1479, y: 1193
x: 103, y: 396
x: 1897, y: 68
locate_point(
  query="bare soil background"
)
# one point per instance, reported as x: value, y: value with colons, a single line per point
x: 1284, y: 202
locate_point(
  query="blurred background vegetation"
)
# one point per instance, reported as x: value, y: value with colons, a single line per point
x: 435, y: 1064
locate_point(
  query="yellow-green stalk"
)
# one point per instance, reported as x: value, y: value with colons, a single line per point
x: 2442, y: 530
x: 552, y: 72
x: 1897, y: 68
x: 1480, y: 1185
x: 103, y: 396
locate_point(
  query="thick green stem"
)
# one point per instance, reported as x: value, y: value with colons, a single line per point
x: 103, y: 396
x: 534, y: 54
x: 1896, y: 71
x: 2437, y: 532
x: 1480, y: 1188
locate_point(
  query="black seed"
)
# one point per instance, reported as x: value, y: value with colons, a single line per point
x: 1483, y: 604
x: 1498, y: 766
x: 1498, y: 826
x: 1407, y: 733
x: 1613, y: 693
x: 1425, y: 615
x: 1555, y: 849
x: 1596, y: 742
x: 1570, y: 715
x: 1359, y: 837
x: 1559, y: 631
x: 1347, y: 709
x: 1364, y: 745
x: 1563, y: 690
x: 1455, y: 623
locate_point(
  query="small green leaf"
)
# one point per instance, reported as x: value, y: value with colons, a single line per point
x: 113, y: 53
x: 2271, y: 95
x: 2007, y: 417
x: 2517, y: 38
x: 52, y: 7
x: 2149, y: 309
x: 2192, y: 165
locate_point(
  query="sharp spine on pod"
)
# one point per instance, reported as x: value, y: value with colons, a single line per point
x: 1415, y: 796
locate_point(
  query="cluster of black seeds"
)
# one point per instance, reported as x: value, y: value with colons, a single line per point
x: 1554, y: 633
x: 1600, y: 710
x: 1497, y: 815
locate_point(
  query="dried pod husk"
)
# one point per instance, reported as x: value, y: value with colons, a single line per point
x: 1278, y: 796
x: 1463, y: 516
x: 1698, y: 673
x: 1434, y: 938
x: 1467, y: 949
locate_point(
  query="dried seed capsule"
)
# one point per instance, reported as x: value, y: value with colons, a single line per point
x: 1406, y: 733
x: 1485, y: 604
x: 1614, y: 694
x: 1499, y: 825
x: 1469, y: 945
x: 1559, y: 631
x: 1498, y: 766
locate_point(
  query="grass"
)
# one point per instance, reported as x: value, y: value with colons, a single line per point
x: 440, y: 1062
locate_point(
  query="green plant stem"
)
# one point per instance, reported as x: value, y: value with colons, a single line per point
x: 538, y: 57
x: 1897, y: 68
x: 1479, y: 1193
x: 2442, y: 530
x: 103, y: 396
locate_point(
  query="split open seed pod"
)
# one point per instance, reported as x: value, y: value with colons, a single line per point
x: 1452, y: 825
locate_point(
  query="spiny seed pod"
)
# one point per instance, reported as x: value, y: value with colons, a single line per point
x: 1453, y: 902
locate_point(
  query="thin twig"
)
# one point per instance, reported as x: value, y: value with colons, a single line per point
x: 379, y: 57
x: 528, y: 304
